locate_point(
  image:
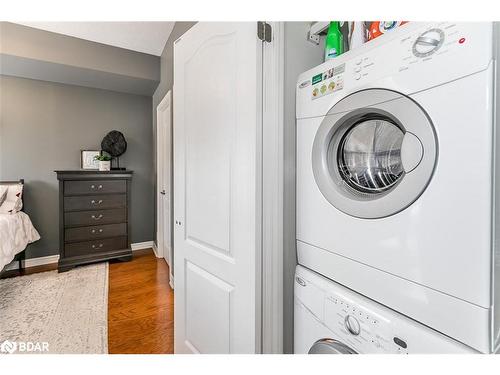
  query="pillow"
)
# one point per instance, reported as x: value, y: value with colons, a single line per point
x: 13, y: 201
x: 3, y: 193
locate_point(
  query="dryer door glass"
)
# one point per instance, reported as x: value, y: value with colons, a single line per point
x: 330, y: 346
x: 369, y: 156
x: 374, y: 153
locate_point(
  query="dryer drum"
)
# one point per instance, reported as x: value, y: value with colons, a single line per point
x: 369, y: 156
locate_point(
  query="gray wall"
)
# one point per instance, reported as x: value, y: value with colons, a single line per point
x: 31, y: 53
x: 300, y: 55
x: 43, y: 127
x: 166, y: 82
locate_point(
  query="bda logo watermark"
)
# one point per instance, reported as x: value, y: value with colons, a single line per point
x: 10, y: 347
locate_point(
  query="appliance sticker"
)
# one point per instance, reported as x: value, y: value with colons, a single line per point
x: 317, y: 78
x: 327, y: 82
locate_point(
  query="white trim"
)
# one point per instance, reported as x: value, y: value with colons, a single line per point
x: 155, y: 250
x: 272, y: 191
x: 142, y: 245
x: 33, y: 262
x: 165, y: 106
x: 50, y: 259
x: 171, y: 281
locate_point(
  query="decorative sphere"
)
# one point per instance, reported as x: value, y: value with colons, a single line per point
x: 114, y: 143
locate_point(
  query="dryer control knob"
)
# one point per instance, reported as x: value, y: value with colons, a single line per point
x: 428, y: 43
x: 352, y: 325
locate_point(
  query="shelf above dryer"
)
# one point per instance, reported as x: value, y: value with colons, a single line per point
x: 317, y: 28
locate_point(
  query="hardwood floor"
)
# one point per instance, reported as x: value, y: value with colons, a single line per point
x: 140, y: 306
x: 30, y: 270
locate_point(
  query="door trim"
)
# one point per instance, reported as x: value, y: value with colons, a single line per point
x: 272, y: 190
x: 164, y: 105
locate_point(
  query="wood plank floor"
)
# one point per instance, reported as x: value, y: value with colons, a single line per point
x: 140, y: 306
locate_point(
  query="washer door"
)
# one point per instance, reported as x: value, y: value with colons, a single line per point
x: 374, y: 153
x: 330, y: 346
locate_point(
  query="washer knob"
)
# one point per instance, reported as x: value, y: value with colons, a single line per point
x: 352, y: 325
x: 428, y: 43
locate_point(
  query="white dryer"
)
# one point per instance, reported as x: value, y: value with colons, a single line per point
x: 332, y: 319
x: 395, y: 175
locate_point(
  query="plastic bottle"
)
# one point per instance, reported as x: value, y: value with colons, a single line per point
x: 357, y: 34
x: 334, y: 43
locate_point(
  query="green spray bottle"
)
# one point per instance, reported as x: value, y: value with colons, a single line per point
x: 334, y: 42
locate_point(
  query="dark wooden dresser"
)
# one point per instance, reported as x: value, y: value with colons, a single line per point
x: 94, y: 223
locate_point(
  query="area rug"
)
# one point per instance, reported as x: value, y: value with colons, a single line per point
x: 55, y: 313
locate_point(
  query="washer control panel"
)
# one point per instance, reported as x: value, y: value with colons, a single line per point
x: 365, y: 326
x: 362, y: 328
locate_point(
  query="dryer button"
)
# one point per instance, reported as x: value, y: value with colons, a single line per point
x: 400, y: 342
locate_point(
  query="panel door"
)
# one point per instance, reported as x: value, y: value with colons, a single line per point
x: 217, y: 142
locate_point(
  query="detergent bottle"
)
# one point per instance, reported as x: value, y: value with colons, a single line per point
x: 334, y: 43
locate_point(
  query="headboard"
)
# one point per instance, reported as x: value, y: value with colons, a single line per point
x: 20, y: 181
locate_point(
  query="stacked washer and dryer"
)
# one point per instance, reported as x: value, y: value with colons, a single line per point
x: 398, y: 206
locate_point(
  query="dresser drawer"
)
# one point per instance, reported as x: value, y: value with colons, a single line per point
x: 96, y: 246
x: 95, y: 187
x: 94, y: 232
x: 93, y: 202
x: 96, y: 217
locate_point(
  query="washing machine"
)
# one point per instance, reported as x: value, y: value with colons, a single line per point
x: 332, y: 319
x: 396, y: 175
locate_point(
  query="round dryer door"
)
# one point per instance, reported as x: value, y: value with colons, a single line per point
x: 330, y: 346
x: 374, y: 153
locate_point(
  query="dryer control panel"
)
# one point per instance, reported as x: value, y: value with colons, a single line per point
x: 414, y: 57
x: 331, y: 311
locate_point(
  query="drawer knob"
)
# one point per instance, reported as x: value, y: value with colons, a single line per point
x: 97, y: 217
x: 97, y: 246
x: 99, y: 187
x: 93, y: 201
x: 92, y: 186
x: 93, y: 231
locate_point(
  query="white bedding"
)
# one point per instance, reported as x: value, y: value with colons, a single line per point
x: 16, y: 232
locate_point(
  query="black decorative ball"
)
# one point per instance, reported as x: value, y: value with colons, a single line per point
x: 114, y: 143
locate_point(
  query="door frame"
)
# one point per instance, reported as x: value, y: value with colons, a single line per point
x: 273, y: 62
x: 272, y: 178
x: 164, y: 107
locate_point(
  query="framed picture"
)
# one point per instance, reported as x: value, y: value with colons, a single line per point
x: 87, y: 160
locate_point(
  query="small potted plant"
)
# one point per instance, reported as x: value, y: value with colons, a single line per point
x: 104, y: 162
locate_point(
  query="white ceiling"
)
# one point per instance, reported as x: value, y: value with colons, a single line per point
x: 146, y: 37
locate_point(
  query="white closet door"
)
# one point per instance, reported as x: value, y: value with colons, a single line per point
x: 217, y: 188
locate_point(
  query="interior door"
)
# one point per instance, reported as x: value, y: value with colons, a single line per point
x: 217, y: 194
x: 164, y: 171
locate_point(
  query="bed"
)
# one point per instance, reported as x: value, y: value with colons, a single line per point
x: 16, y: 232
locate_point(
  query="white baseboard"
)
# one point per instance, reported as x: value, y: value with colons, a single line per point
x: 171, y: 281
x: 40, y: 261
x: 33, y: 262
x: 142, y: 245
x: 155, y: 249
